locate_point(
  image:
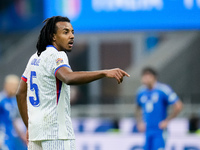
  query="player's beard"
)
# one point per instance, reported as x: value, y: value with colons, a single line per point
x: 67, y: 51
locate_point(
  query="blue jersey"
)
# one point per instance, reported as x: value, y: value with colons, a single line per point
x: 7, y: 114
x: 154, y: 103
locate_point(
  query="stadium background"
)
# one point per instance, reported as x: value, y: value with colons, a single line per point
x: 129, y: 34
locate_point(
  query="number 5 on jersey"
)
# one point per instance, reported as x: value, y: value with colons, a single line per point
x: 34, y: 87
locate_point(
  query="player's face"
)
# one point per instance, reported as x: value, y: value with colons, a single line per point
x: 148, y: 79
x: 63, y: 40
x: 11, y: 88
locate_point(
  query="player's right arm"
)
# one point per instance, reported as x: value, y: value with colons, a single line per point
x: 21, y: 101
x: 66, y: 75
x: 21, y: 95
x: 140, y: 123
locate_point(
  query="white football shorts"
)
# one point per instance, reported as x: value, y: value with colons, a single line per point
x: 52, y: 145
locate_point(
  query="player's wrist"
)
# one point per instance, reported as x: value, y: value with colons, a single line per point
x: 104, y: 73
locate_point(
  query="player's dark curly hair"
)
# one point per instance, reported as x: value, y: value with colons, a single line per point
x: 150, y: 70
x: 46, y: 34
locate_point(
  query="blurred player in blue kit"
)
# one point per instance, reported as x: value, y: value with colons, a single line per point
x: 9, y: 121
x: 153, y: 99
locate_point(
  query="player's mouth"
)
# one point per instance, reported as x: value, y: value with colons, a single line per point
x: 71, y: 43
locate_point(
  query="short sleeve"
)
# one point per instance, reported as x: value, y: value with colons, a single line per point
x: 171, y: 96
x: 60, y: 59
x: 26, y: 71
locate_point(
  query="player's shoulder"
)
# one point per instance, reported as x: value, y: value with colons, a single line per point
x: 33, y: 57
x: 2, y: 95
x: 3, y: 100
x: 141, y: 89
x: 163, y: 88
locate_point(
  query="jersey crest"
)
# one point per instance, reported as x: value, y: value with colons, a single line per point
x: 59, y: 61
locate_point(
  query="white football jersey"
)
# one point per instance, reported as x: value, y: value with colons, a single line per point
x: 48, y: 99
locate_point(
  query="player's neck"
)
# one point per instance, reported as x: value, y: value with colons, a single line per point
x: 55, y: 45
x: 9, y: 96
x: 151, y: 86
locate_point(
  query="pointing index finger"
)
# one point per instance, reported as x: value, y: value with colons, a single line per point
x: 125, y: 73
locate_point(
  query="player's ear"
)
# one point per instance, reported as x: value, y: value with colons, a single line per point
x: 54, y: 37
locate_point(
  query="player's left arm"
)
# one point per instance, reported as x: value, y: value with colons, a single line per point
x: 177, y: 106
x: 176, y: 109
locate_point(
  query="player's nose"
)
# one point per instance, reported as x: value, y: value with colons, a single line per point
x: 72, y: 36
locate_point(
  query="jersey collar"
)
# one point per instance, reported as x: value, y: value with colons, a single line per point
x: 154, y: 86
x: 51, y: 46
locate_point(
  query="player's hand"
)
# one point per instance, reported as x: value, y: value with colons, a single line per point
x: 163, y: 124
x: 141, y: 127
x: 116, y: 73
